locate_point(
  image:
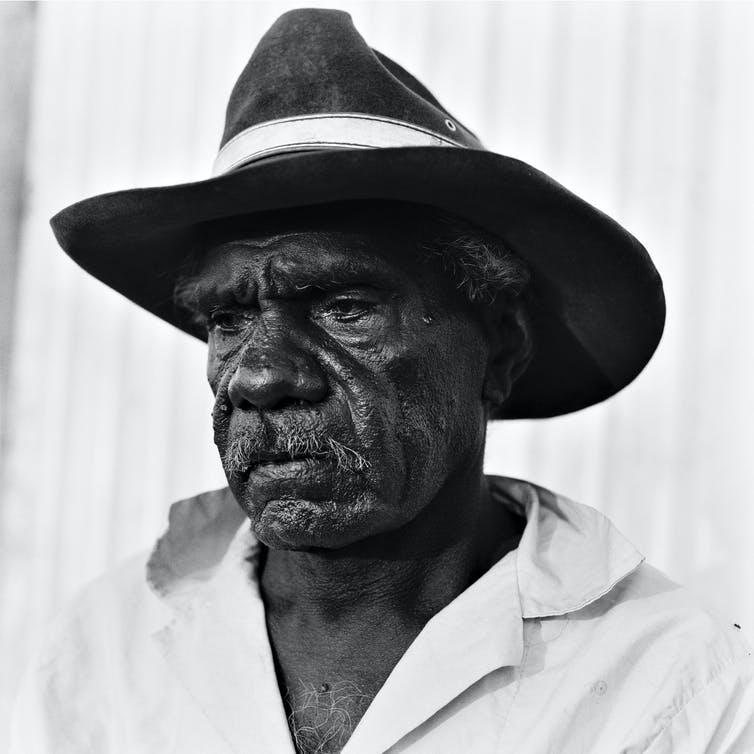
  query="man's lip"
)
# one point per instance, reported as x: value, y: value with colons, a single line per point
x: 277, y: 458
x: 286, y: 466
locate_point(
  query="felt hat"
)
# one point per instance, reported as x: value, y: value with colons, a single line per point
x: 319, y: 117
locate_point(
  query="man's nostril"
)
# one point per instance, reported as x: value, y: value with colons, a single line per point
x: 275, y: 387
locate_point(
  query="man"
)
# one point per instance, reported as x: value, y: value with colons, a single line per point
x: 374, y: 286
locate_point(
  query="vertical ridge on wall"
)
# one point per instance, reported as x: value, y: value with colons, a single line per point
x: 17, y: 55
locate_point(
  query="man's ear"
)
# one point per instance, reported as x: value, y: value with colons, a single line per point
x: 510, y: 354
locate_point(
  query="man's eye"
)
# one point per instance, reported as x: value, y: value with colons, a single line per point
x: 349, y: 309
x: 227, y: 320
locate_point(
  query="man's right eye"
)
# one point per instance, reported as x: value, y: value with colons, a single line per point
x: 227, y: 320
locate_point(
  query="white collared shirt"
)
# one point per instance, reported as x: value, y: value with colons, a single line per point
x: 569, y: 644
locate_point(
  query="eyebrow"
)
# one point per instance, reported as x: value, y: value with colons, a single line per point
x: 342, y: 272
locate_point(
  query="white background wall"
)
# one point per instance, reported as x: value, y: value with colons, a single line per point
x: 644, y: 109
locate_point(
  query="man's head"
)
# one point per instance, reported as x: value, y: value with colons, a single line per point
x: 319, y: 117
x: 354, y: 352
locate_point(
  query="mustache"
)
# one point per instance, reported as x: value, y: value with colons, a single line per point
x: 250, y: 447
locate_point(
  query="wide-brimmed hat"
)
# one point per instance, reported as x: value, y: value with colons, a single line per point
x: 318, y: 117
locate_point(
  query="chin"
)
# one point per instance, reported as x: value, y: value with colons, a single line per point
x: 305, y: 524
x: 308, y: 510
x: 302, y: 524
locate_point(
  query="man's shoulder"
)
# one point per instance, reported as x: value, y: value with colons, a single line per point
x: 682, y: 673
x: 579, y: 556
x: 117, y: 607
x: 652, y: 652
x: 126, y: 602
x: 628, y: 621
x: 648, y: 612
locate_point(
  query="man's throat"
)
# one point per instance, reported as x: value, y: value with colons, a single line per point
x: 339, y: 622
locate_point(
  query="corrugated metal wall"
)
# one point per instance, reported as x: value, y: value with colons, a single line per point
x: 644, y: 109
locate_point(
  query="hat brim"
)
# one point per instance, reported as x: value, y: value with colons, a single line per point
x: 598, y: 308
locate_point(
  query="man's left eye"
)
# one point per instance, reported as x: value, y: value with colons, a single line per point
x: 349, y: 309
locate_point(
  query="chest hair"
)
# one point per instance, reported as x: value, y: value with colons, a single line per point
x: 323, y: 717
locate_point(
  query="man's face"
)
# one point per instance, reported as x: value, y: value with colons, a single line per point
x: 347, y: 370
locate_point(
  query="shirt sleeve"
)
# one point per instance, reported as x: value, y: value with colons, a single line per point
x: 41, y: 723
x: 717, y: 720
x: 68, y: 700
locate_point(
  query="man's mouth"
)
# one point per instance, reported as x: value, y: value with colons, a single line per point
x: 272, y: 458
x: 285, y: 466
x: 298, y: 450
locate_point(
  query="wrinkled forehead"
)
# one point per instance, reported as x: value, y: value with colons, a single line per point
x: 296, y: 250
x: 286, y: 262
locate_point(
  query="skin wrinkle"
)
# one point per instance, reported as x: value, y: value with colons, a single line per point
x: 280, y: 280
x: 352, y: 337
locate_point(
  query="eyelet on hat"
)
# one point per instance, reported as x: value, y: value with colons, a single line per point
x: 451, y: 126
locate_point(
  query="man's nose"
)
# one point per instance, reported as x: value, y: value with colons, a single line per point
x: 272, y: 380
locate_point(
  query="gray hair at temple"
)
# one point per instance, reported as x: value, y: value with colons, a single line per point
x: 479, y: 261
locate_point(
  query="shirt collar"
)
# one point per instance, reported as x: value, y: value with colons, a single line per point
x: 199, y: 538
x: 569, y: 554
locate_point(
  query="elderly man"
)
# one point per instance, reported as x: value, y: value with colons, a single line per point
x: 374, y: 286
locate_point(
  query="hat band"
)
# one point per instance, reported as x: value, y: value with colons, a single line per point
x: 326, y: 131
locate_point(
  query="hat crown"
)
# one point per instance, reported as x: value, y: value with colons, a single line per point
x: 313, y: 62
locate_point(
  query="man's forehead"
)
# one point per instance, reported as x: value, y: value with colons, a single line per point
x: 294, y: 260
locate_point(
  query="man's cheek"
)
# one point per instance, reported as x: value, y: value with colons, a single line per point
x: 370, y: 403
x: 440, y: 415
x: 420, y: 377
x: 222, y: 411
x: 217, y: 364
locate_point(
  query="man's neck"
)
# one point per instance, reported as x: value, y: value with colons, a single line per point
x: 343, y: 618
x: 410, y: 573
